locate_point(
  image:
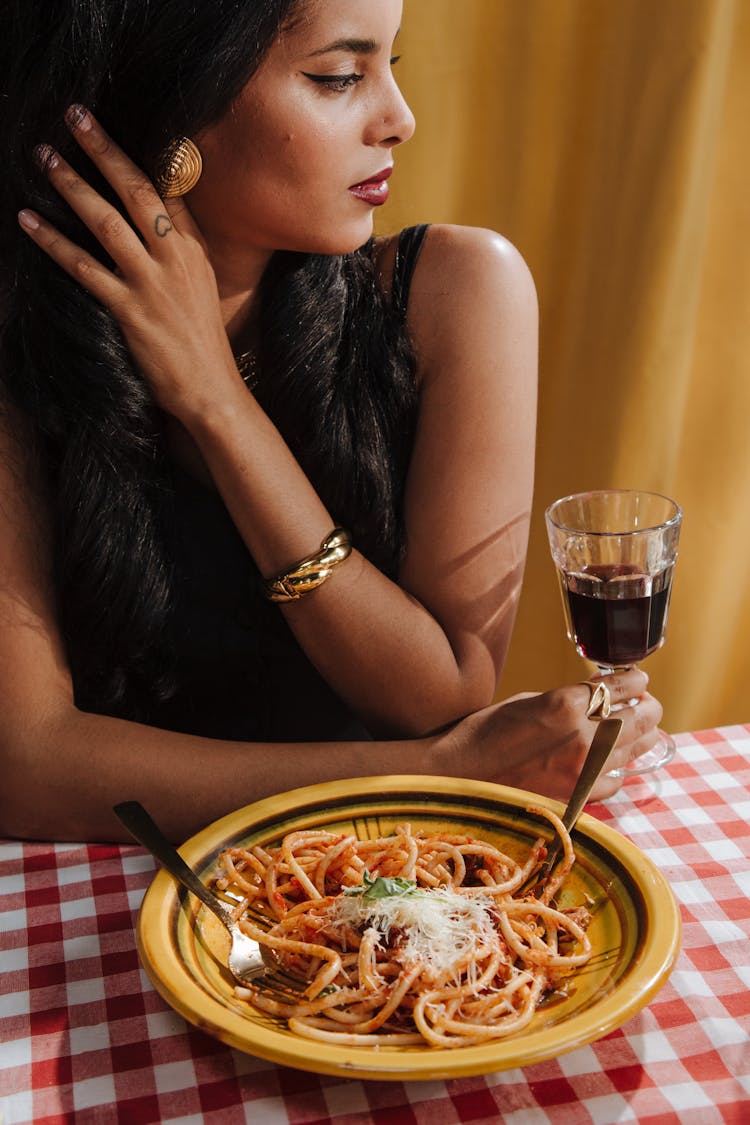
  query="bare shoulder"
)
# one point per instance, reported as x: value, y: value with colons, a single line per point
x: 467, y: 280
x: 454, y: 253
x: 464, y: 272
x: 472, y: 294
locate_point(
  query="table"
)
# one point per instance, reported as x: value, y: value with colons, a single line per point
x: 84, y: 1037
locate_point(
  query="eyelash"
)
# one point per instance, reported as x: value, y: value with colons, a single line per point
x: 337, y: 83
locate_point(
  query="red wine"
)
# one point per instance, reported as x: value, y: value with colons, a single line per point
x: 616, y: 614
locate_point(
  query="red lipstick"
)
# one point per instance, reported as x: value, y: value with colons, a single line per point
x: 374, y: 190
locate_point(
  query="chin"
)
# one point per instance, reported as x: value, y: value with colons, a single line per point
x: 344, y: 240
x: 355, y: 244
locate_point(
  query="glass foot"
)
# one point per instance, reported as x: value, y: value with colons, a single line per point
x: 660, y: 755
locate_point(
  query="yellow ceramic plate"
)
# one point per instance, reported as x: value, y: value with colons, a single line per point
x: 635, y: 929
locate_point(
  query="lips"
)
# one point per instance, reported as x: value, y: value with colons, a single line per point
x: 374, y: 190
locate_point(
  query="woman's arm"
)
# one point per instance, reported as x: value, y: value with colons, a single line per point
x: 413, y: 656
x: 63, y: 769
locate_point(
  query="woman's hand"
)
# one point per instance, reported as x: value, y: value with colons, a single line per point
x: 163, y: 294
x: 539, y: 742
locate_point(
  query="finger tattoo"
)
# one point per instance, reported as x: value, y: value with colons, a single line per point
x: 162, y: 226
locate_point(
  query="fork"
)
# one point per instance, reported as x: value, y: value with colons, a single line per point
x: 245, y: 961
x: 602, y: 744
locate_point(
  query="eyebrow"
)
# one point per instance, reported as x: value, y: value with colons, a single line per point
x: 351, y: 46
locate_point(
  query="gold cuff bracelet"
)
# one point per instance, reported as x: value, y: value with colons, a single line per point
x: 311, y: 572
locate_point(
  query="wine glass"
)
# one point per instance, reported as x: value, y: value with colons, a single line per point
x: 614, y: 551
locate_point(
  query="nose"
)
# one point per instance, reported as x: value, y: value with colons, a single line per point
x: 393, y: 121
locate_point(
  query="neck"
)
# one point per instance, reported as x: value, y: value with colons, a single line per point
x: 238, y: 276
x: 238, y: 311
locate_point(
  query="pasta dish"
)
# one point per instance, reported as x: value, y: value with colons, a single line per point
x: 407, y: 939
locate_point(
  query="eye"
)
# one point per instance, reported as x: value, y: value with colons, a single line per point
x: 337, y: 83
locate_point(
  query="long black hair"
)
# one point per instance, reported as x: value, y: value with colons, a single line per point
x: 336, y: 369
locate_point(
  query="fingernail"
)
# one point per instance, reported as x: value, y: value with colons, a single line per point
x: 28, y: 220
x: 78, y: 117
x: 46, y: 157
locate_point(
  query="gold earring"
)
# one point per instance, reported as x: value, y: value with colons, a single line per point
x: 179, y: 168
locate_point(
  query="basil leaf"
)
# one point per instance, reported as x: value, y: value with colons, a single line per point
x: 382, y: 886
x: 385, y: 887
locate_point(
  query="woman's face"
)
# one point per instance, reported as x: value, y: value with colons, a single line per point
x: 285, y: 168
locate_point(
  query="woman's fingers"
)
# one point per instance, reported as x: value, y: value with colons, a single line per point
x: 540, y: 742
x: 639, y: 733
x: 105, y: 222
x: 554, y: 734
x: 153, y: 217
x: 100, y: 282
x: 157, y: 221
x: 623, y: 685
x: 570, y: 705
x: 642, y: 730
x: 605, y: 786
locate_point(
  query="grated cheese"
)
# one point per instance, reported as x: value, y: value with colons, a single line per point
x: 437, y: 927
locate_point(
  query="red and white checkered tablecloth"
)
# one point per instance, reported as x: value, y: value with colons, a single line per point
x: 84, y: 1037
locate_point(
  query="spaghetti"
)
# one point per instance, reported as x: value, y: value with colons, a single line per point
x: 406, y: 939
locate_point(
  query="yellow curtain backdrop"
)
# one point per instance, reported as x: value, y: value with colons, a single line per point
x: 609, y: 139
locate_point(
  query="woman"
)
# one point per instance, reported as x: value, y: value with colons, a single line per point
x: 203, y: 383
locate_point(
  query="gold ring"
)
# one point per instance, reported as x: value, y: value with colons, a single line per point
x: 600, y: 701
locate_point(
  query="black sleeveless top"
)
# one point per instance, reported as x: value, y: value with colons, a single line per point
x: 240, y: 671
